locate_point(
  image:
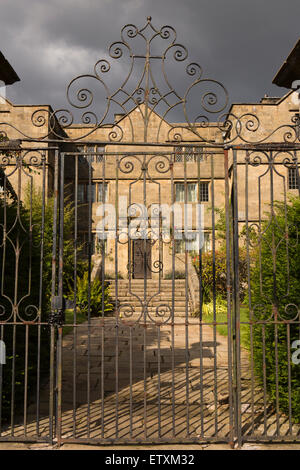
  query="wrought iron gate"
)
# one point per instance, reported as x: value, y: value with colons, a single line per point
x: 97, y: 352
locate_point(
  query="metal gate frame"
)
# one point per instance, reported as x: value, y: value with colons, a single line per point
x: 230, y: 147
x: 57, y: 316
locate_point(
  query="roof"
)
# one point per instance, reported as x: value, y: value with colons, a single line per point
x: 7, y: 73
x: 290, y: 69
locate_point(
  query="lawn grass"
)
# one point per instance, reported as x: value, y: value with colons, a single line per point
x: 69, y: 320
x: 223, y: 329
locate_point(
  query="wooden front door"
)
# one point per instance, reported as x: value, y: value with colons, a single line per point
x: 140, y: 258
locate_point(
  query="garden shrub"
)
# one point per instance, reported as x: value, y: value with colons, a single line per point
x: 220, y: 277
x: 95, y: 288
x: 270, y: 299
x: 32, y: 297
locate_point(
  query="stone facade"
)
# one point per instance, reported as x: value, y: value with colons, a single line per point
x: 148, y: 173
x: 265, y: 172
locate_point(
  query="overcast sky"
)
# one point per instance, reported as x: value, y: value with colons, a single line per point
x: 242, y: 43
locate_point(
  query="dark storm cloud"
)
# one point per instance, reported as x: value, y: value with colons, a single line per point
x: 238, y: 42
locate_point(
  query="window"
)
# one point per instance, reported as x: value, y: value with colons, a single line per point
x: 191, y: 243
x: 91, y: 192
x: 178, y: 154
x: 192, y: 192
x: 95, y: 189
x: 92, y: 153
x: 100, y: 192
x: 188, y: 154
x: 204, y: 196
x: 81, y: 193
x: 293, y: 178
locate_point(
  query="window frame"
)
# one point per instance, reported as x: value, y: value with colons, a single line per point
x: 196, y: 183
x: 96, y: 198
x: 293, y: 181
x: 180, y: 154
x: 93, y: 149
x: 181, y: 243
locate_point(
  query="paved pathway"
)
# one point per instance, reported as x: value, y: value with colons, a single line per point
x: 197, y: 406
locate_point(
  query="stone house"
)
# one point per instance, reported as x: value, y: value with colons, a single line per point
x: 160, y: 169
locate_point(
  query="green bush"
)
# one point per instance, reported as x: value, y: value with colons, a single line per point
x: 91, y: 294
x: 206, y: 264
x: 271, y: 298
x: 30, y: 253
x: 15, y: 336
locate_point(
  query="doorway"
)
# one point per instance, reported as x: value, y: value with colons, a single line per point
x: 141, y: 259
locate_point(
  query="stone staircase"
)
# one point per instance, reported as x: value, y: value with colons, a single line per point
x: 159, y: 299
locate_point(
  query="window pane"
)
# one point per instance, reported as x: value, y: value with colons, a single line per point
x: 293, y: 180
x: 178, y: 154
x: 100, y: 153
x: 192, y: 192
x: 179, y: 192
x: 81, y: 193
x: 90, y: 158
x: 100, y: 192
x: 91, y: 189
x: 189, y: 157
x: 204, y: 196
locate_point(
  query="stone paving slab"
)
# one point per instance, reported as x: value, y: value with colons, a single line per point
x: 166, y: 392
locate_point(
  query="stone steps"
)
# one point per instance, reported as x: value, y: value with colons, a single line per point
x: 157, y: 296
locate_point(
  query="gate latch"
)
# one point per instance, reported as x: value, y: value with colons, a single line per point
x: 58, y: 307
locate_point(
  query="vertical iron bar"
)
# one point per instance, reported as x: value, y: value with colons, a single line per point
x: 288, y: 326
x: 117, y: 294
x: 1, y: 381
x: 249, y: 285
x: 38, y: 382
x: 200, y: 279
x: 60, y: 295
x: 26, y: 380
x: 75, y: 296
x: 158, y: 380
x: 53, y: 291
x: 236, y: 305
x: 145, y: 299
x: 264, y: 377
x: 103, y: 241
x: 214, y: 291
x: 173, y: 299
x: 130, y: 378
x: 90, y: 193
x: 15, y: 306
x: 229, y: 294
x: 186, y: 226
